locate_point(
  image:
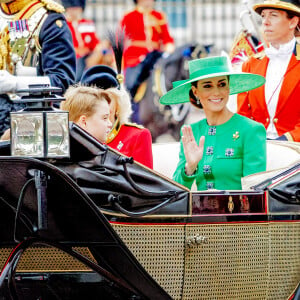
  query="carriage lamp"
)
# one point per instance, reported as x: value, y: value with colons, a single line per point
x: 40, y: 130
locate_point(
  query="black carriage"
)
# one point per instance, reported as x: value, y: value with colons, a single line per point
x: 97, y: 225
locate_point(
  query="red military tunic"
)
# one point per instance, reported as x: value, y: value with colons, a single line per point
x: 145, y: 31
x: 252, y: 104
x: 84, y: 36
x: 134, y: 141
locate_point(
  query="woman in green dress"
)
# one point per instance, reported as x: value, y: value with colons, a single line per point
x: 221, y: 149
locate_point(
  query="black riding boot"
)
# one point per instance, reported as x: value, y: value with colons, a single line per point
x: 138, y: 74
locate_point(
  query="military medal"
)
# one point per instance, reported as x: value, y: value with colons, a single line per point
x: 18, y: 29
x: 25, y: 28
x: 11, y: 29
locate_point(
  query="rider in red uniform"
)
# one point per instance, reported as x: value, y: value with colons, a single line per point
x: 83, y: 32
x: 147, y: 37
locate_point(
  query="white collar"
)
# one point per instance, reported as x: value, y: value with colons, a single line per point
x: 284, y: 49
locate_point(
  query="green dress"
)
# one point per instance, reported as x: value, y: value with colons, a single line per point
x: 232, y: 150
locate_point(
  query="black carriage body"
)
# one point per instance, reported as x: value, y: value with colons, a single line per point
x: 117, y: 230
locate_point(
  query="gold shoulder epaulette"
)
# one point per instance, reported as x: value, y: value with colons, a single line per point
x: 52, y: 5
x: 134, y: 125
x: 260, y: 55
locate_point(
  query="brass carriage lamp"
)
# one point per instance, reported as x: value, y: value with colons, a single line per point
x: 40, y: 130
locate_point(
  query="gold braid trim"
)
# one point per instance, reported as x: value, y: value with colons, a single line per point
x: 23, y: 9
x: 117, y: 126
x: 54, y: 6
x: 134, y: 125
x: 5, y: 49
x: 28, y: 11
x: 114, y: 131
x: 13, y: 7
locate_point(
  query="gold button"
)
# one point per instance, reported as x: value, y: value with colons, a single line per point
x: 275, y: 120
x: 59, y: 23
x: 249, y: 105
x: 267, y: 119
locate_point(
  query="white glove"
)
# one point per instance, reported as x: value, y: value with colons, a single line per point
x: 165, y: 55
x: 23, y: 82
x: 8, y: 82
x: 25, y: 71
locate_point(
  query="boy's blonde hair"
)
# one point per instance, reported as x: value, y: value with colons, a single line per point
x: 82, y: 100
x: 123, y: 105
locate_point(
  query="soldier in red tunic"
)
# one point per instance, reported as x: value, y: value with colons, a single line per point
x: 89, y: 49
x: 130, y: 139
x: 147, y: 36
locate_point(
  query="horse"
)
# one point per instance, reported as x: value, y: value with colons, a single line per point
x: 163, y: 119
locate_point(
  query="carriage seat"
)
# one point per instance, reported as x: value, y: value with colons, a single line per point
x: 280, y: 155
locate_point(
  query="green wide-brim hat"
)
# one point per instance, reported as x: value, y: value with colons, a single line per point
x: 210, y: 67
x: 292, y: 6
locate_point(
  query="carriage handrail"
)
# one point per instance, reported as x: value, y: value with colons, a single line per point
x: 270, y: 180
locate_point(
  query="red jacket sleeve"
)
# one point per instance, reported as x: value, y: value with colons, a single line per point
x: 243, y: 106
x: 143, y: 148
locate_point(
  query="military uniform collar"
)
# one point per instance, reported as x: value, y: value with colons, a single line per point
x: 114, y: 131
x: 296, y: 52
x: 13, y: 7
x: 143, y: 10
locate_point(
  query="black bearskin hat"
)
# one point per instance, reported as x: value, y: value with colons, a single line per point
x: 73, y: 3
